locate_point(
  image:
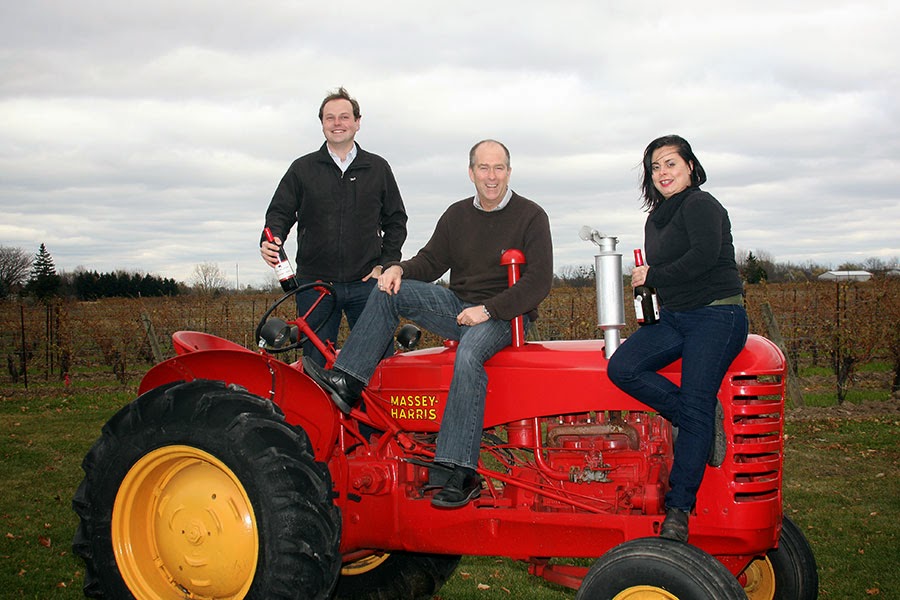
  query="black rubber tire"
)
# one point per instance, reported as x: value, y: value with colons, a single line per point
x: 790, y: 569
x: 657, y: 567
x: 401, y: 576
x: 296, y: 525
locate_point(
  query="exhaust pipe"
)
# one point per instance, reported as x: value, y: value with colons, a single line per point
x: 610, y: 293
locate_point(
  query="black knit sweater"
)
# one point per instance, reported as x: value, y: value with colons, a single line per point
x: 690, y: 251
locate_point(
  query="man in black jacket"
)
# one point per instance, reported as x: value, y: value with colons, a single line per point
x: 349, y: 214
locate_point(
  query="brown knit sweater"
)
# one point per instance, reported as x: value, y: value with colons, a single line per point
x: 469, y: 242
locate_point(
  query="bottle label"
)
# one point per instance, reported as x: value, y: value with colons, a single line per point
x: 283, y: 270
x: 652, y: 305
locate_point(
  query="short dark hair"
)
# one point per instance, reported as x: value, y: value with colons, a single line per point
x: 649, y: 193
x: 340, y: 94
x: 487, y: 141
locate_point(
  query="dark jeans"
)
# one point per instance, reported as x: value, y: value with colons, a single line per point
x: 434, y: 308
x: 707, y: 340
x: 349, y: 299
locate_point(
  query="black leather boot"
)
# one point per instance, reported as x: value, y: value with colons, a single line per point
x: 345, y: 390
x: 463, y: 486
x: 675, y: 527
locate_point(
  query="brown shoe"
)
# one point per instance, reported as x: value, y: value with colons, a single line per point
x: 675, y: 526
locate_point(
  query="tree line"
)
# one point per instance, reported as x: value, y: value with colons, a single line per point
x: 25, y: 275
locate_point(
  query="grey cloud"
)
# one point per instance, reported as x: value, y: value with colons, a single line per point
x: 150, y: 136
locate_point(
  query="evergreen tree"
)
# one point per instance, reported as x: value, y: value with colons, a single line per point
x: 44, y: 281
x: 753, y: 270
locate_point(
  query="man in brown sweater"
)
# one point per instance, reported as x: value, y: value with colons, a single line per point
x: 476, y: 309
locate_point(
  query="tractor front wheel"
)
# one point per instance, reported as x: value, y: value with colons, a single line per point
x: 395, y: 576
x: 785, y: 573
x: 201, y: 490
x: 658, y: 569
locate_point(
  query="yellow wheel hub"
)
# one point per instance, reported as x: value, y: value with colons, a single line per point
x: 364, y: 565
x: 759, y: 580
x: 645, y: 592
x: 183, y: 527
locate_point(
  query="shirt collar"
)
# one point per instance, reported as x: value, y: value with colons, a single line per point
x: 343, y: 165
x: 501, y: 206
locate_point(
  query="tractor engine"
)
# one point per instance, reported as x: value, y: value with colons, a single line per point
x: 609, y: 461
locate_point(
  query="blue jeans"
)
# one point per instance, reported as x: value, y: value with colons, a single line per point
x: 434, y: 308
x: 707, y: 339
x: 349, y: 298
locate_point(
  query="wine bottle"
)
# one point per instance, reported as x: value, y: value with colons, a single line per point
x: 284, y: 270
x: 646, y: 304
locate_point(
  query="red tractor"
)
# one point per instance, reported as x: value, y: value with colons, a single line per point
x: 233, y: 475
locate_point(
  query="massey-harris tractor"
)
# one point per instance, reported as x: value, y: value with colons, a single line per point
x: 233, y: 475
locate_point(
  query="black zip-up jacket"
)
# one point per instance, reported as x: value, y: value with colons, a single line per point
x: 690, y: 251
x: 346, y: 223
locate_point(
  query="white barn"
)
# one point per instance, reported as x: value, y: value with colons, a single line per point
x: 846, y: 276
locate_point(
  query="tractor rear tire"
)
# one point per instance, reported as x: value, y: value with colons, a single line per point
x: 396, y: 576
x: 658, y: 569
x: 786, y: 573
x: 201, y: 489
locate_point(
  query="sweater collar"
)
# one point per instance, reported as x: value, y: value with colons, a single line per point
x: 506, y: 198
x: 666, y: 209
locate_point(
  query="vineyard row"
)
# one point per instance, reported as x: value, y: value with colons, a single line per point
x: 836, y: 325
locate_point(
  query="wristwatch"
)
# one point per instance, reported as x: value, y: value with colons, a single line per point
x: 486, y: 311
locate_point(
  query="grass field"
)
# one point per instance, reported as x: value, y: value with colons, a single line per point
x: 840, y: 488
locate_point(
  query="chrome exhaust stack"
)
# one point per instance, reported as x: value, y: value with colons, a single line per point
x: 610, y: 292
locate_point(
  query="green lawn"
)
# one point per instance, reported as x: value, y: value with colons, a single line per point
x: 840, y: 488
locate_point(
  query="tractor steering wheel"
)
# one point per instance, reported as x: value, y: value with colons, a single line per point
x: 273, y: 334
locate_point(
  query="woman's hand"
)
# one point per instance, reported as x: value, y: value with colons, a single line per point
x: 639, y: 275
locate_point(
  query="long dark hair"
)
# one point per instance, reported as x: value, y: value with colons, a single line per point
x: 649, y: 193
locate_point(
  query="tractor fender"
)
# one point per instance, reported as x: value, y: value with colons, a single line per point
x: 759, y: 355
x: 303, y: 402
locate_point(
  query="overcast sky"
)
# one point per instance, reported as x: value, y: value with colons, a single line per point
x: 150, y: 136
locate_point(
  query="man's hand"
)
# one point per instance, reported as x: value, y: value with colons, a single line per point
x: 389, y: 281
x: 639, y: 275
x: 472, y: 316
x: 376, y: 272
x: 269, y: 252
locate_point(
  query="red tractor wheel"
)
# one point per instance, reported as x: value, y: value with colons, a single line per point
x: 658, y: 569
x: 787, y: 572
x: 395, y: 576
x: 202, y: 490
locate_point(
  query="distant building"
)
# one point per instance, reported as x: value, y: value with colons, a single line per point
x: 845, y: 276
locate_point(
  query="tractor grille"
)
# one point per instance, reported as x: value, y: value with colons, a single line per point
x: 757, y: 428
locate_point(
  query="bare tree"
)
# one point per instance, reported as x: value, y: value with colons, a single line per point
x: 575, y: 275
x: 208, y: 278
x: 15, y: 264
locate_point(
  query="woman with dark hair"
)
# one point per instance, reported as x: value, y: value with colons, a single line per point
x: 690, y: 262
